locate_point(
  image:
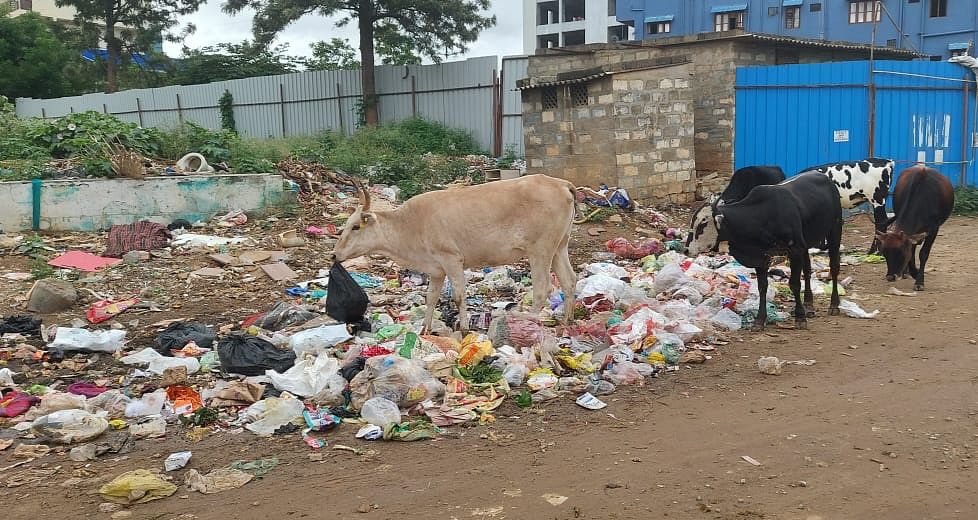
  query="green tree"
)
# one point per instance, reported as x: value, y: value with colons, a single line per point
x: 132, y: 24
x: 33, y: 59
x: 336, y: 54
x: 432, y: 28
x: 226, y: 61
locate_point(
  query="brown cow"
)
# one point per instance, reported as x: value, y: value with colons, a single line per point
x: 442, y: 233
x: 922, y: 200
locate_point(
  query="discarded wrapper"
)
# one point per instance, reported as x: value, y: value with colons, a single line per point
x: 590, y: 402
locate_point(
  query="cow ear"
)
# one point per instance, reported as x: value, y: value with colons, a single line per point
x: 918, y: 238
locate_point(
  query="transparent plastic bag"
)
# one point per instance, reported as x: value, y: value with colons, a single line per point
x: 317, y: 378
x: 273, y: 413
x: 380, y: 411
x: 112, y: 402
x: 72, y: 339
x: 404, y: 381
x: 148, y: 404
x: 726, y: 319
x: 148, y: 427
x: 57, y: 401
x: 316, y: 341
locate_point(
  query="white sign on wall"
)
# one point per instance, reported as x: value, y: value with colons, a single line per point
x: 840, y: 136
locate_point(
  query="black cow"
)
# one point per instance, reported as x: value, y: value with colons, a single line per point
x: 784, y: 218
x: 748, y: 178
x: 922, y: 200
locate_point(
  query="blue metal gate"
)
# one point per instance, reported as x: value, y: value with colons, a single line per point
x: 797, y: 116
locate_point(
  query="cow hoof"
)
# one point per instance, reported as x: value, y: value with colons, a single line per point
x: 918, y: 287
x: 834, y: 311
x: 890, y: 278
x: 801, y: 325
x: 809, y: 313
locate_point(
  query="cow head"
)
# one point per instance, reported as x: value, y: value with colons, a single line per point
x: 361, y: 234
x: 704, y: 234
x: 896, y: 247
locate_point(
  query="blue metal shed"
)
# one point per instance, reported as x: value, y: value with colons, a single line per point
x: 797, y: 116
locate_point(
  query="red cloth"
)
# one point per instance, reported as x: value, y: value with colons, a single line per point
x: 140, y: 236
x: 15, y: 403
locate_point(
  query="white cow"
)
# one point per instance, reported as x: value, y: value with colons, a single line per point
x: 442, y: 233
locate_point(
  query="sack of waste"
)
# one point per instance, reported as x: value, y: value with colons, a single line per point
x: 252, y: 356
x: 69, y: 426
x: 403, y: 381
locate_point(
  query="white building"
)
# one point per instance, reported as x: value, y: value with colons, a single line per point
x: 556, y: 23
x: 45, y: 8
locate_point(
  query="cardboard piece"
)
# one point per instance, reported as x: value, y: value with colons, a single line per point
x: 279, y: 271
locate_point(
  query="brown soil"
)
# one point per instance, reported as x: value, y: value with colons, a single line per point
x: 884, y: 425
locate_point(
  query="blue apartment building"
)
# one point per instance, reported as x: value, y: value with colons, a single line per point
x: 937, y: 28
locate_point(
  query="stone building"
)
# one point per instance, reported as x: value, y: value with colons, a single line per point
x: 709, y: 79
x: 628, y: 124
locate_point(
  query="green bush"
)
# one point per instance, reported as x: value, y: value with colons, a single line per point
x: 966, y: 200
x: 75, y: 134
x: 214, y: 145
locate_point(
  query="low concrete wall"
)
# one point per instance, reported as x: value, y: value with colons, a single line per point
x: 94, y: 204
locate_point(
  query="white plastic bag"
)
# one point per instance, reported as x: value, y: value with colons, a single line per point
x: 112, y: 402
x: 273, y: 413
x: 316, y: 378
x: 380, y: 411
x: 148, y: 404
x: 57, y: 401
x: 158, y: 362
x: 315, y: 341
x: 670, y: 278
x: 177, y: 460
x: 726, y: 319
x: 67, y: 338
x: 608, y: 269
x: 190, y: 240
x: 148, y: 427
x: 851, y: 309
x: 7, y: 377
x: 69, y: 426
x: 601, y: 283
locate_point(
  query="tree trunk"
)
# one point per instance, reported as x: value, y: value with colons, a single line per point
x: 112, y: 47
x: 366, y: 22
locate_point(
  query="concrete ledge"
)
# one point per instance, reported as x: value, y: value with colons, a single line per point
x: 94, y: 204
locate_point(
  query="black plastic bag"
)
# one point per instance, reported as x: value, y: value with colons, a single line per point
x: 283, y: 315
x: 177, y: 335
x: 346, y: 301
x: 22, y: 323
x: 252, y: 356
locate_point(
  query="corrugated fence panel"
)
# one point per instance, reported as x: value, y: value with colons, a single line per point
x: 513, y: 70
x: 797, y: 116
x: 459, y: 94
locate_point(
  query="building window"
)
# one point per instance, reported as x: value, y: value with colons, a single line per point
x: 891, y: 43
x: 658, y: 27
x: 618, y: 33
x: 772, y: 11
x: 728, y: 21
x: 864, y: 11
x: 815, y: 8
x: 959, y: 52
x: 13, y: 4
x: 938, y: 8
x: 549, y: 98
x: 573, y: 10
x: 578, y: 94
x: 792, y: 17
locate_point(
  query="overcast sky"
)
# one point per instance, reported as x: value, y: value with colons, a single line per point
x: 213, y: 26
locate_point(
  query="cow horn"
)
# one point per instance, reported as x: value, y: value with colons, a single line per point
x: 363, y: 194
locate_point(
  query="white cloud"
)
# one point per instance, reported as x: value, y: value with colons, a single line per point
x: 213, y: 26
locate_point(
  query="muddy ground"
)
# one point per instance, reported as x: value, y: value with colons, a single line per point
x: 884, y: 425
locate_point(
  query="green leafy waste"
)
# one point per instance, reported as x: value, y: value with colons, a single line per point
x: 480, y: 373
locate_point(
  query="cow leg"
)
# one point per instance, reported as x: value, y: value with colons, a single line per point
x: 761, y: 320
x: 835, y: 243
x: 879, y: 218
x: 540, y: 275
x: 565, y: 274
x: 800, y: 259
x: 924, y: 255
x: 435, y: 284
x: 911, y: 268
x: 809, y: 297
x: 456, y: 273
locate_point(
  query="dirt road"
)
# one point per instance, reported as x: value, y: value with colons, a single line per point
x: 884, y: 425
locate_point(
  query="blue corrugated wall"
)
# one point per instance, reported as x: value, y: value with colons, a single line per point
x: 797, y: 116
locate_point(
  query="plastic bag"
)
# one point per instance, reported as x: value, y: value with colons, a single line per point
x: 403, y: 381
x: 158, y: 362
x: 22, y: 324
x: 317, y: 340
x: 251, y: 356
x: 136, y: 487
x: 177, y: 460
x: 600, y: 283
x: 57, y: 401
x: 273, y: 413
x: 148, y: 404
x: 608, y: 269
x: 634, y: 250
x: 316, y: 378
x: 112, y: 402
x: 105, y: 310
x: 72, y: 339
x: 380, y: 412
x: 148, y: 427
x: 853, y: 310
x: 15, y: 403
x: 69, y: 426
x: 177, y: 335
x: 346, y: 301
x: 282, y: 315
x: 670, y: 278
x: 625, y: 373
x: 520, y: 330
x: 726, y: 319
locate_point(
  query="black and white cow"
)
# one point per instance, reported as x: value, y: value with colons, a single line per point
x: 748, y: 178
x: 773, y: 220
x: 859, y: 182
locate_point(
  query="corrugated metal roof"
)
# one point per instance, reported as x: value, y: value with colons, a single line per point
x: 729, y: 8
x: 557, y: 83
x: 824, y: 44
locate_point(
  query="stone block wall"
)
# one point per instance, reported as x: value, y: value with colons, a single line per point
x: 636, y: 131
